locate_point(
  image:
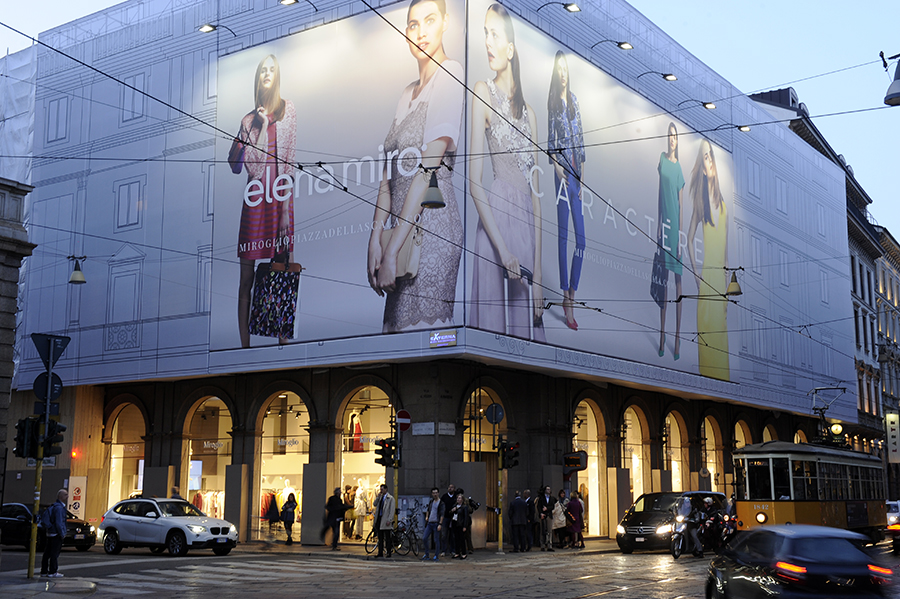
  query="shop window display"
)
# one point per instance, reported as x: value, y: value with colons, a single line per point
x: 284, y: 451
x: 587, y: 434
x: 126, y: 455
x: 366, y: 419
x: 675, y: 452
x: 633, y: 452
x: 211, y: 446
x: 479, y: 439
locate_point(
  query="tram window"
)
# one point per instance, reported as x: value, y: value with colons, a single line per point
x: 782, y: 478
x: 844, y: 478
x: 806, y: 486
x: 759, y: 480
x: 854, y: 483
x: 740, y: 480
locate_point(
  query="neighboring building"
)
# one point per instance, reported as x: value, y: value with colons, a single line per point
x: 866, y: 251
x: 888, y: 338
x: 166, y: 385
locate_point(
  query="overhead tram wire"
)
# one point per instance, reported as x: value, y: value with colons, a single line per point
x: 332, y: 181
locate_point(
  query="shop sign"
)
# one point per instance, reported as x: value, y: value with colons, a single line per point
x: 134, y: 449
x: 442, y: 339
x: 447, y: 428
x: 288, y: 442
x: 892, y: 421
x: 423, y: 428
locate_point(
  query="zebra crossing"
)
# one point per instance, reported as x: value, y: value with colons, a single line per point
x: 223, y: 574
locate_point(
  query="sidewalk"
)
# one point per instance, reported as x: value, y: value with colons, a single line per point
x: 357, y: 550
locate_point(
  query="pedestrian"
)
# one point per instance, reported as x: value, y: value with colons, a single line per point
x: 559, y: 519
x: 334, y: 515
x: 518, y: 521
x: 545, y: 503
x: 361, y: 507
x: 529, y: 518
x: 54, y: 521
x: 449, y: 500
x: 350, y: 520
x: 176, y: 494
x: 434, y: 517
x: 472, y: 505
x: 459, y: 518
x: 384, y: 522
x: 287, y: 517
x: 575, y: 516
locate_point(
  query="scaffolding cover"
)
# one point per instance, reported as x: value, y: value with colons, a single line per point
x: 17, y: 86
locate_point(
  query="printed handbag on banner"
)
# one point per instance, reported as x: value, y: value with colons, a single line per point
x: 274, y: 305
x: 659, y: 279
x: 408, y: 256
x: 236, y: 156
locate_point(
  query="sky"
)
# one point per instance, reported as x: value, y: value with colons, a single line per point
x: 768, y: 45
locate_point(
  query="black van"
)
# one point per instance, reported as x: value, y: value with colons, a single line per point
x: 648, y: 523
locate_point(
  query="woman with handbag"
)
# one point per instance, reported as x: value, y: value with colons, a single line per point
x: 265, y: 148
x: 508, y: 237
x: 668, y: 236
x: 420, y: 282
x: 575, y: 519
x: 566, y: 142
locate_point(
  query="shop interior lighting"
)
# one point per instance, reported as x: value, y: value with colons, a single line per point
x: 569, y: 6
x: 621, y: 45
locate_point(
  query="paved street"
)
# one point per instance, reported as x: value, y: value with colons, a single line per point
x: 277, y: 571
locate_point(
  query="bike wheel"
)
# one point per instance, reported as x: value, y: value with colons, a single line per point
x: 413, y: 542
x: 677, y: 546
x: 401, y: 543
x: 371, y: 542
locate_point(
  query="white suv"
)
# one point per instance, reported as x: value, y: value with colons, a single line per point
x: 162, y: 524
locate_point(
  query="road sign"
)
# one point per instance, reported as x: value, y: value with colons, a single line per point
x: 50, y: 347
x: 494, y: 413
x: 403, y: 420
x: 40, y: 405
x: 40, y: 387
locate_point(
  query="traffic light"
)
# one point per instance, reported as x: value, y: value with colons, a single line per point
x: 26, y: 433
x: 385, y: 452
x: 510, y: 455
x: 53, y: 437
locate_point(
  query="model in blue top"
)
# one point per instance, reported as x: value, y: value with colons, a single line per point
x: 668, y: 232
x: 565, y: 145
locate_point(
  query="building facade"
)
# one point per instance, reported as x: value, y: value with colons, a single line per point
x: 198, y: 361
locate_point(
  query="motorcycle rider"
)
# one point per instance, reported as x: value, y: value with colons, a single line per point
x: 699, y: 515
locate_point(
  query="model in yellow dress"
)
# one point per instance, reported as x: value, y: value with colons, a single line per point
x: 710, y: 210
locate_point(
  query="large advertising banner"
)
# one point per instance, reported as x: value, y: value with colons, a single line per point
x: 332, y: 128
x: 587, y: 228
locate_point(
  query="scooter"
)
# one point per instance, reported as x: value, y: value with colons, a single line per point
x: 679, y: 536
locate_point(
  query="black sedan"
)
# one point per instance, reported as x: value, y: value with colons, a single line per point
x: 797, y: 561
x: 648, y: 523
x: 15, y: 529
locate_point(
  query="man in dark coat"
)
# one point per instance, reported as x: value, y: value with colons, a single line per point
x: 529, y: 517
x: 519, y: 521
x: 449, y: 500
x: 545, y: 504
x: 334, y: 515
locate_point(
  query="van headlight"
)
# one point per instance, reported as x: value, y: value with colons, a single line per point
x: 620, y: 529
x: 664, y: 529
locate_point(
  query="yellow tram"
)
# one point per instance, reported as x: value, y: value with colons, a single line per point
x: 802, y: 483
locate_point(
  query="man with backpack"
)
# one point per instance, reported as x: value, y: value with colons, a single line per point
x: 54, y: 522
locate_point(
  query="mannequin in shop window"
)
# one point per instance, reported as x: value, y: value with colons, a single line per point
x: 354, y: 432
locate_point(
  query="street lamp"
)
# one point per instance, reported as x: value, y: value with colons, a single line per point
x: 289, y: 2
x: 77, y: 276
x: 892, y: 97
x: 433, y: 196
x: 666, y: 76
x: 621, y: 45
x: 569, y: 6
x: 209, y: 28
x: 706, y: 105
x: 733, y: 290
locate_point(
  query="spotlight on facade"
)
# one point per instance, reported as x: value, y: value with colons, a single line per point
x: 621, y: 45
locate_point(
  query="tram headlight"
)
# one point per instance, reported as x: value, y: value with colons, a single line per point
x: 761, y: 517
x: 664, y: 529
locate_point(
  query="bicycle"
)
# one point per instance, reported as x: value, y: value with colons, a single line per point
x: 400, y: 541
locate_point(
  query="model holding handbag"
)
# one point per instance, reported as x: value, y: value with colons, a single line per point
x: 413, y: 254
x: 671, y: 184
x: 265, y: 148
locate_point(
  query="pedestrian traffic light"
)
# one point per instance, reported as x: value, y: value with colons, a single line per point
x: 26, y: 437
x: 53, y: 437
x: 385, y: 452
x: 510, y: 455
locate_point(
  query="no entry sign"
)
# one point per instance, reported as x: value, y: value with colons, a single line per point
x: 403, y: 420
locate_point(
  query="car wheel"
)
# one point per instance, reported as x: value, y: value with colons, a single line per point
x: 626, y: 550
x: 221, y: 550
x: 111, y: 543
x: 176, y: 543
x: 713, y: 591
x: 157, y: 550
x: 82, y: 547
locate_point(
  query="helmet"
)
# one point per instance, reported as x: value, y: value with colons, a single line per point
x: 708, y: 501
